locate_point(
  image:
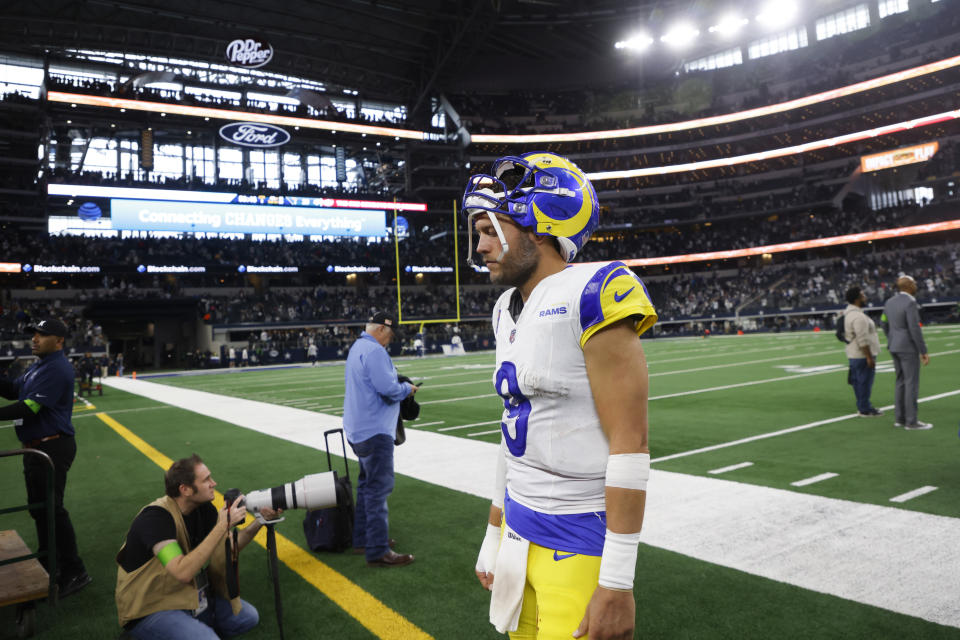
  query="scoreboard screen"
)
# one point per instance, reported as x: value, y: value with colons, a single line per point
x: 131, y: 212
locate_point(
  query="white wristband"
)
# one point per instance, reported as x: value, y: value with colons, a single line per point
x: 628, y: 471
x: 619, y: 560
x: 487, y: 559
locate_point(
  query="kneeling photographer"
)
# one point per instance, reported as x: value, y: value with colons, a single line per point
x: 172, y: 575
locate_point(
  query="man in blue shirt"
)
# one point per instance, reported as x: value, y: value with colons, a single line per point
x: 371, y: 406
x: 42, y: 413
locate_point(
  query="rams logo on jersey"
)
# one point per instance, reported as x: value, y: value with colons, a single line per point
x: 552, y: 312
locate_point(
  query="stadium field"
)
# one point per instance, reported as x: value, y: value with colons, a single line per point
x: 774, y: 511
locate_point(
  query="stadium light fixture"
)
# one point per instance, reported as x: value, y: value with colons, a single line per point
x: 797, y: 103
x: 637, y: 42
x: 729, y: 25
x: 680, y: 35
x: 777, y: 13
x: 797, y: 245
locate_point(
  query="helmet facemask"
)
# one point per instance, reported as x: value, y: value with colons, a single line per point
x: 538, y: 191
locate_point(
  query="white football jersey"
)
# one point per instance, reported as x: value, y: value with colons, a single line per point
x: 555, y: 449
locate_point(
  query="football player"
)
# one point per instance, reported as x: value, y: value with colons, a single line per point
x: 561, y: 546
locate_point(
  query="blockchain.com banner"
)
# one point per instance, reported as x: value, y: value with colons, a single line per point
x: 159, y: 215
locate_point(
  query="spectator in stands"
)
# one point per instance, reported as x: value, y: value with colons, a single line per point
x: 14, y: 369
x: 901, y: 317
x: 863, y: 347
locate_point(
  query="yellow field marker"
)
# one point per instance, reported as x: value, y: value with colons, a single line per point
x: 378, y: 618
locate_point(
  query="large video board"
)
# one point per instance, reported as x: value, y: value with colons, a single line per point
x: 121, y: 211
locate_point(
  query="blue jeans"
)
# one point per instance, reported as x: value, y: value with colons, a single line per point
x: 370, y: 528
x: 218, y: 620
x: 861, y: 378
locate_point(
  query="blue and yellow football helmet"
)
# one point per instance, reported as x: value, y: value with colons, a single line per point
x: 538, y: 190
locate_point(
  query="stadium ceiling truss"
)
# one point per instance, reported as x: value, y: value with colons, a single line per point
x: 392, y: 50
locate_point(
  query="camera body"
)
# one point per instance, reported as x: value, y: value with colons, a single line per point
x: 230, y: 496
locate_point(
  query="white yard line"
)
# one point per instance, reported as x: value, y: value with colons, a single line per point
x: 482, y: 433
x: 485, y: 395
x: 782, y: 358
x: 910, y: 495
x: 733, y: 467
x: 260, y: 394
x: 814, y: 479
x: 774, y: 434
x: 767, y: 380
x: 738, y: 385
x: 712, y: 354
x: 944, y: 353
x: 418, y: 425
x: 847, y: 549
x: 465, y: 426
x: 459, y: 384
x: 136, y: 410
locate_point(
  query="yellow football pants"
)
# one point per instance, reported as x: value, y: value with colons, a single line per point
x: 559, y: 586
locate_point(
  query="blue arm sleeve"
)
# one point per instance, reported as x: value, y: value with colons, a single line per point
x: 383, y: 377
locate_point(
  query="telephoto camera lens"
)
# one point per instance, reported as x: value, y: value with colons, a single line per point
x: 316, y: 491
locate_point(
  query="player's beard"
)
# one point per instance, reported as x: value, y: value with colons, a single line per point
x: 518, y: 264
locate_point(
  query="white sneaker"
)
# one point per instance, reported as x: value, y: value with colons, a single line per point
x: 919, y: 426
x: 898, y: 425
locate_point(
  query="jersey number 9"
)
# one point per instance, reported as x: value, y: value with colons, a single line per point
x: 517, y: 408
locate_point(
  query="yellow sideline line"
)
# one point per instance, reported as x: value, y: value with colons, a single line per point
x: 378, y: 618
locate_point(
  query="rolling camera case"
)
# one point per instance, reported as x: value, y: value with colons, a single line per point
x: 331, y: 529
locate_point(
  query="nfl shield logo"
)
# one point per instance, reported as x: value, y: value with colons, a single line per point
x: 513, y: 335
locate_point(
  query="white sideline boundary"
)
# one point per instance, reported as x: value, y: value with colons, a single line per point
x: 899, y: 560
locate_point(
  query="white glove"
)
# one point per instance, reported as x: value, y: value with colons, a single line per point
x: 487, y: 559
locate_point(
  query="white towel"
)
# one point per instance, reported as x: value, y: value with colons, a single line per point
x: 509, y: 578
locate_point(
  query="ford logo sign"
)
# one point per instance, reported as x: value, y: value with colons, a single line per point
x: 249, y: 52
x: 254, y: 134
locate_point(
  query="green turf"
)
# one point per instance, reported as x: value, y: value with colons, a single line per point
x: 875, y: 461
x: 678, y: 597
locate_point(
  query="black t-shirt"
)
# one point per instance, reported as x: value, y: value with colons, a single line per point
x: 154, y: 524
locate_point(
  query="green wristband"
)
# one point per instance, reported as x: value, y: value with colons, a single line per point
x: 169, y: 552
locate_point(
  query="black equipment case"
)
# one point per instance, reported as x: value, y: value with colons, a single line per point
x: 331, y: 529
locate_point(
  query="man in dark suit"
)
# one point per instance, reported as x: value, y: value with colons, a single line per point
x: 901, y: 322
